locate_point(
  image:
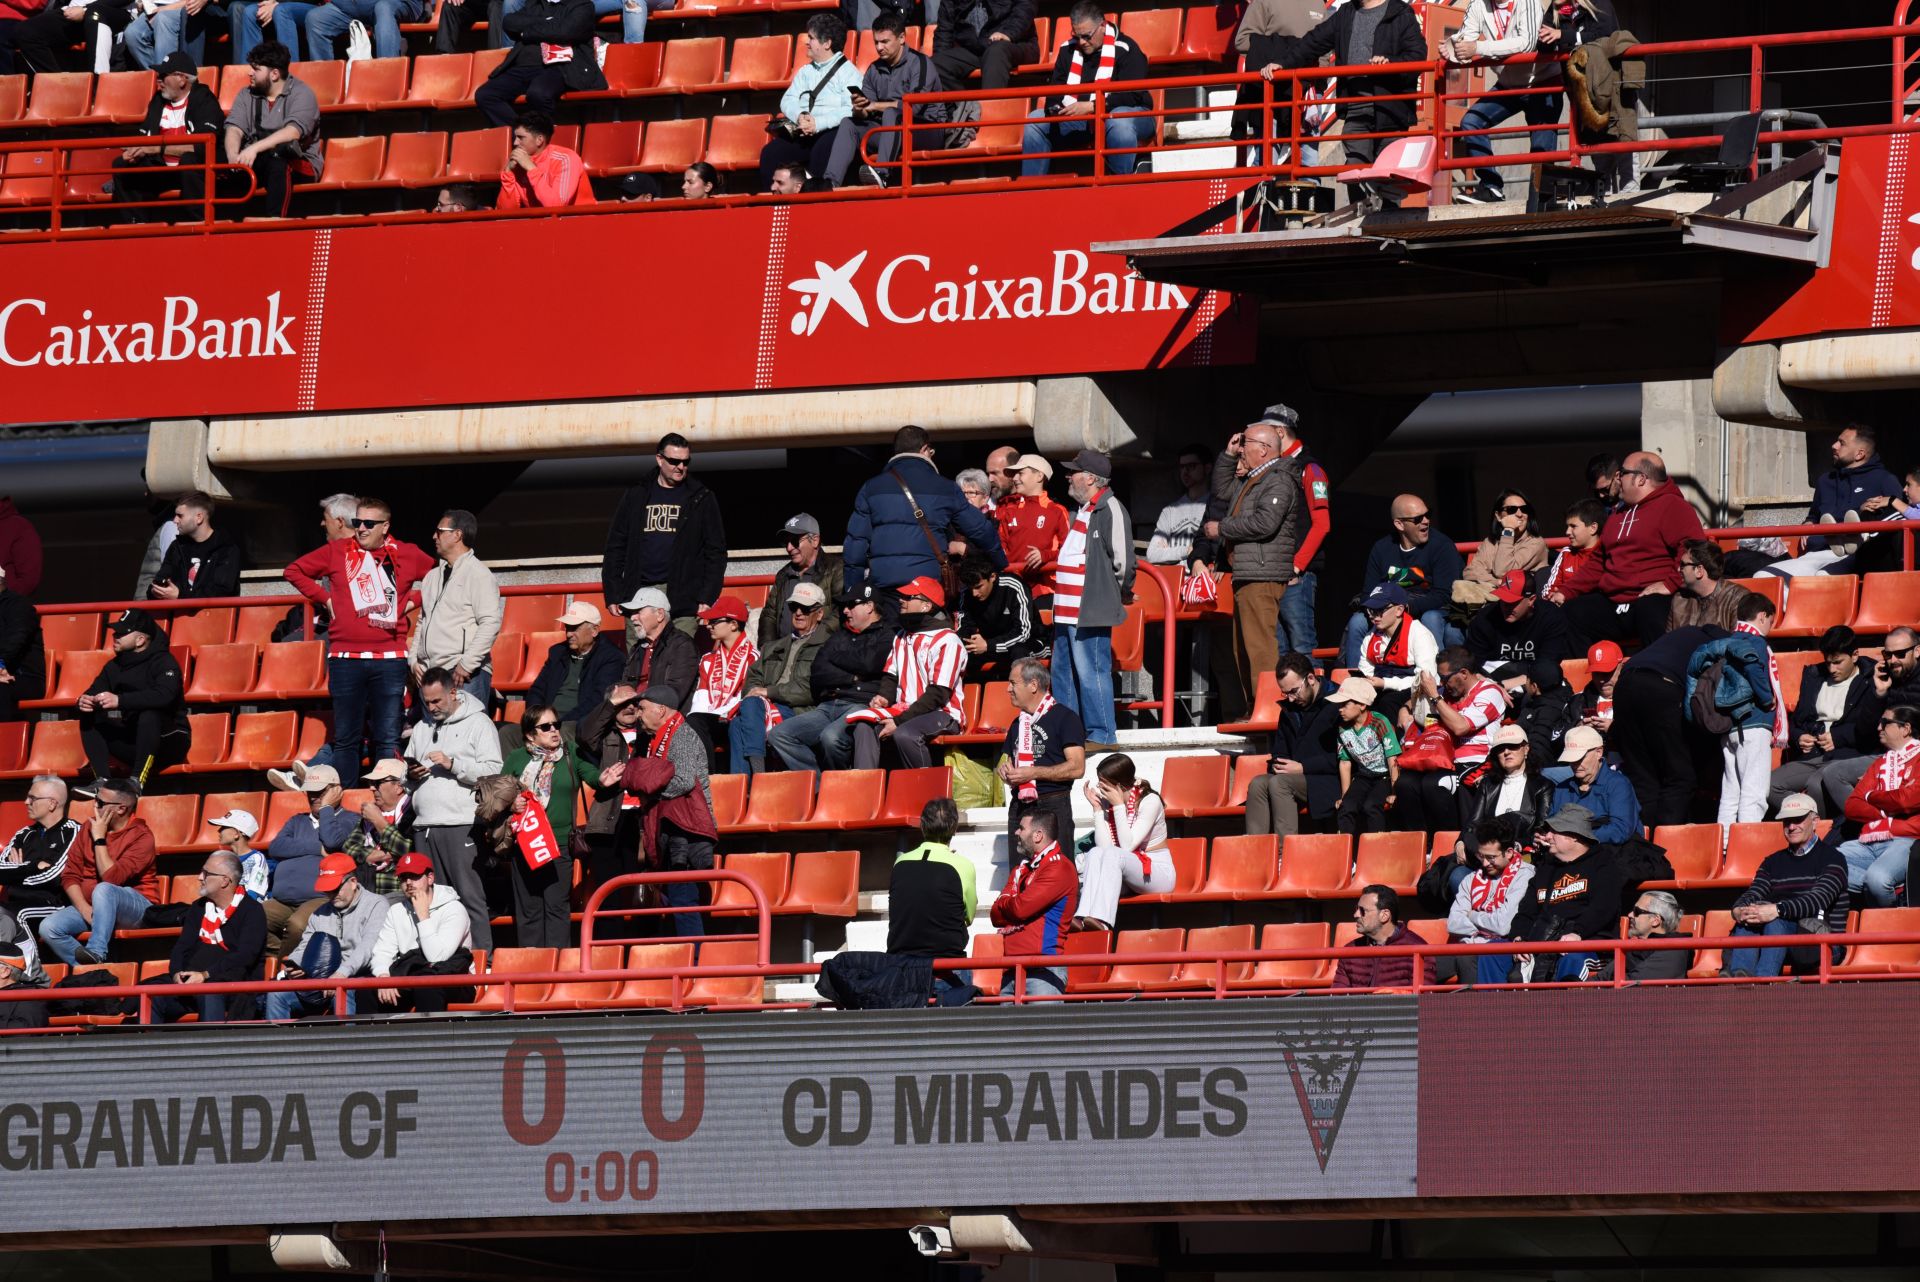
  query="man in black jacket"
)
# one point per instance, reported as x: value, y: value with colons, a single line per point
x: 997, y: 622
x: 1575, y: 894
x: 666, y: 534
x: 579, y: 670
x: 1821, y: 729
x: 1656, y: 742
x: 223, y: 941
x: 1304, y: 771
x: 659, y: 655
x: 136, y: 709
x: 849, y: 670
x: 1518, y: 627
x: 1095, y: 51
x: 1368, y: 31
x: 989, y: 36
x: 552, y: 54
x: 181, y: 107
x: 201, y: 561
x: 23, y: 657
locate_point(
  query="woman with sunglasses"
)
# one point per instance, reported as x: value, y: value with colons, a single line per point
x: 1513, y: 542
x: 553, y: 773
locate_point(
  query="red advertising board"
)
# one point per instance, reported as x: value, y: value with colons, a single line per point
x: 655, y: 303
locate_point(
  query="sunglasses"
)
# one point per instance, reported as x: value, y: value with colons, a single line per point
x: 1516, y: 509
x: 1902, y: 653
x: 669, y: 461
x: 361, y: 523
x: 797, y: 608
x: 548, y: 725
x: 1420, y: 519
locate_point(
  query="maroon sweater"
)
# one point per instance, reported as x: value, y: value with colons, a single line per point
x: 1370, y: 970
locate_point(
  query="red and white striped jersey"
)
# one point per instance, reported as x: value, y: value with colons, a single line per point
x: 934, y: 657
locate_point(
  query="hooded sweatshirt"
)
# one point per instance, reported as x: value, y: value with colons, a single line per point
x: 470, y: 741
x: 1844, y: 489
x: 446, y: 930
x: 1583, y: 893
x: 1639, y: 545
x: 207, y: 569
x: 357, y: 929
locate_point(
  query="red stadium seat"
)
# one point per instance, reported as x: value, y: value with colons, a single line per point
x: 293, y: 670
x: 1194, y: 784
x: 256, y: 623
x: 121, y: 97
x: 263, y: 740
x: 1770, y: 586
x: 1390, y: 859
x: 581, y: 994
x: 1888, y: 601
x: 215, y: 804
x: 1081, y: 944
x: 13, y: 754
x: 281, y: 806
x: 78, y: 670
x: 1315, y: 866
x: 729, y: 798
x: 1214, y: 939
x: 1207, y: 32
x: 848, y: 799
x: 1155, y: 31
x: 63, y: 632
x: 1694, y: 852
x: 1131, y: 977
x: 1816, y: 603
x: 1884, y: 959
x: 671, y: 145
x: 174, y: 819
x: 1265, y: 717
x: 13, y: 98
x: 209, y: 734
x: 414, y: 160
x: 776, y: 800
x: 513, y: 961
x: 768, y: 870
x: 351, y: 163
x: 201, y: 627
x: 1793, y: 665
x: 1707, y: 961
x: 826, y: 883
x: 761, y: 62
x: 234, y: 79
x: 692, y: 65
x: 224, y: 674
x: 328, y: 80
x: 1247, y: 767
x: 55, y: 751
x: 478, y: 156
x: 1747, y: 845
x: 533, y: 612
x: 28, y: 179
x: 60, y: 97
x: 908, y: 792
x: 375, y: 84
x: 1189, y: 855
x: 1290, y: 974
x: 736, y: 141
x: 610, y: 146
x: 630, y: 70
x: 509, y: 652
x: 719, y: 990
x: 650, y: 992
x: 1241, y: 868
x: 440, y: 79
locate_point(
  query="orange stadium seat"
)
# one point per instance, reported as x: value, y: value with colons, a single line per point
x: 1707, y: 961
x: 63, y: 632
x: 1770, y: 586
x: 509, y: 652
x: 825, y: 883
x: 1816, y: 603
x: 720, y: 990
x: 375, y: 84
x: 1265, y: 717
x: 293, y: 670
x: 768, y: 870
x: 1306, y: 973
x: 233, y: 81
x: 328, y: 80
x: 1793, y: 664
x: 1194, y: 784
x: 535, y: 612
x: 225, y: 673
x: 201, y: 627
x: 1247, y: 767
x: 729, y: 798
x: 478, y: 156
x: 1693, y: 850
x: 671, y: 145
x: 78, y: 670
x: 908, y: 792
x: 281, y: 806
x: 414, y: 160
x: 351, y: 163
x: 630, y: 70
x: 255, y: 623
x: 263, y: 740
x: 776, y: 800
x: 736, y: 141
x: 761, y: 62
x: 56, y: 750
x: 1390, y: 859
x: 513, y: 961
x: 1207, y: 32
x: 1888, y: 601
x: 121, y: 97
x: 650, y: 992
x: 28, y: 178
x: 610, y: 146
x: 174, y: 819
x: 440, y: 78
x: 1213, y: 939
x: 60, y: 97
x: 847, y: 799
x: 1189, y: 855
x: 13, y: 752
x: 215, y: 804
x: 209, y: 734
x: 1155, y: 31
x: 581, y: 994
x: 13, y: 98
x: 1243, y: 867
x: 1131, y: 977
x: 1884, y: 959
x: 1086, y: 943
x: 1747, y: 845
x: 693, y: 65
x: 1316, y: 866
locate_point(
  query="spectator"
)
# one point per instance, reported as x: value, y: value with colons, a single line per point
x: 930, y: 896
x: 1541, y: 703
x: 181, y: 107
x: 428, y: 932
x: 1261, y: 531
x: 1567, y: 24
x: 1639, y: 558
x: 1093, y: 587
x: 998, y: 623
x: 1576, y: 569
x: 110, y: 885
x: 849, y: 671
x: 1706, y: 595
x: 1604, y: 473
x: 1491, y: 34
x: 1650, y: 725
x: 1597, y: 787
x: 234, y: 831
x: 338, y: 942
x: 1416, y: 558
x: 295, y: 854
x: 23, y: 656
x: 610, y: 734
x: 201, y: 561
x: 1603, y: 673
x: 1095, y: 51
x: 977, y: 490
x: 1369, y: 759
x: 1046, y: 753
x: 458, y: 16
x: 448, y: 753
x: 989, y: 36
x: 1303, y: 772
x: 1268, y: 31
x: 553, y: 53
x: 578, y: 671
x: 1507, y: 785
x: 165, y: 27
x: 1800, y: 889
x: 1376, y: 918
x: 789, y: 179
x: 1488, y: 898
x: 677, y: 825
x: 249, y: 20
x: 903, y: 519
x: 1821, y: 729
x: 274, y: 128
x: 1858, y: 487
x: 817, y: 100
x: 722, y: 676
x: 1469, y: 707
x: 657, y: 654
x: 541, y: 174
x: 369, y: 578
x: 780, y: 683
x: 464, y: 198
x: 1513, y: 542
x: 701, y: 181
x: 1000, y: 462
x: 1749, y: 696
x: 1035, y: 910
x: 1896, y: 683
x: 1518, y: 628
x: 20, y: 556
x: 1886, y: 806
x: 1576, y: 895
x: 667, y: 535
x: 1179, y: 521
x: 1298, y: 620
x: 33, y: 863
x: 460, y: 610
x: 1032, y: 527
x: 220, y: 943
x: 24, y: 1012
x: 1397, y: 650
x: 135, y: 712
x: 921, y: 697
x: 1655, y: 915
x: 385, y: 828
x: 1129, y: 843
x: 1376, y: 31
x: 896, y: 70
x: 382, y: 18
x: 806, y: 563
x: 552, y: 772
x: 49, y: 39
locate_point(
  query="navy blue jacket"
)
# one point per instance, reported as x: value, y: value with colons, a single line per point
x: 1805, y: 717
x: 885, y: 542
x: 604, y: 662
x: 1843, y: 489
x: 1427, y: 573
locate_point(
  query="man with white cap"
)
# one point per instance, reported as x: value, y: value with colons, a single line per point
x: 339, y: 940
x: 1369, y: 758
x: 385, y: 830
x: 1092, y: 586
x: 1032, y: 526
x: 234, y: 831
x: 658, y: 654
x: 1597, y: 787
x: 294, y: 854
x: 667, y: 534
x: 925, y: 667
x: 578, y: 670
x: 780, y: 682
x: 806, y: 563
x: 1800, y: 889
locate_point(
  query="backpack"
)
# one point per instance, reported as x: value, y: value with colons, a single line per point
x: 1703, y: 707
x: 86, y: 979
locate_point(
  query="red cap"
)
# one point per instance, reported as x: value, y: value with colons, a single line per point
x: 1512, y: 587
x: 1604, y: 656
x: 412, y: 863
x: 925, y: 588
x: 334, y: 869
x: 727, y: 607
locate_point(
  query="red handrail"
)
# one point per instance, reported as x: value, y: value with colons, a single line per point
x: 595, y: 906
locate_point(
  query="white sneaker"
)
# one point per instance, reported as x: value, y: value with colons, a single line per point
x: 290, y: 780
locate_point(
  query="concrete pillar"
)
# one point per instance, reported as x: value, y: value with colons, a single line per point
x: 1733, y: 473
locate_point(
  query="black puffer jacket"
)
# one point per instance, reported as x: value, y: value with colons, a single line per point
x: 853, y: 665
x: 210, y: 569
x: 1480, y: 792
x: 146, y: 680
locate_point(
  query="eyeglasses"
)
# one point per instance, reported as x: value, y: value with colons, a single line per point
x: 442, y: 530
x: 1689, y: 565
x: 1516, y: 509
x: 548, y: 725
x: 1633, y: 471
x: 362, y: 523
x: 31, y: 798
x: 205, y: 875
x: 1418, y: 519
x: 667, y: 460
x: 1085, y: 36
x: 1638, y: 911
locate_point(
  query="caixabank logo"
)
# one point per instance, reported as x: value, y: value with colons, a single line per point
x: 34, y: 332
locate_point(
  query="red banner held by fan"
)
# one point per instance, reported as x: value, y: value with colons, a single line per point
x: 538, y: 846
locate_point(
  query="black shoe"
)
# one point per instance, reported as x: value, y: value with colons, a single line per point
x: 87, y: 957
x: 1480, y: 195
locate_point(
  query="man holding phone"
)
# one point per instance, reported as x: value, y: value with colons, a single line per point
x: 896, y: 70
x: 338, y: 941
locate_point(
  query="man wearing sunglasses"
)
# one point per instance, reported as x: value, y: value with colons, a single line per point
x: 1095, y: 51
x: 1886, y: 805
x: 1896, y: 683
x: 780, y: 682
x: 667, y: 535
x: 1418, y: 558
x: 1639, y: 558
x: 806, y: 563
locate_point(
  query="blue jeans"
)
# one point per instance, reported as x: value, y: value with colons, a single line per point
x: 1434, y: 621
x: 1042, y: 981
x: 747, y: 733
x: 60, y: 929
x: 284, y: 1006
x: 367, y: 694
x: 1455, y: 875
x: 818, y: 733
x: 1877, y: 868
x: 328, y: 23
x: 288, y: 15
x: 1083, y: 677
x: 1540, y: 109
x: 1762, y: 962
x: 1494, y: 970
x: 1294, y: 629
x: 151, y: 38
x: 1124, y: 129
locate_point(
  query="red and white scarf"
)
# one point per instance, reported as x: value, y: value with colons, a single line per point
x: 627, y: 800
x: 1486, y: 894
x: 370, y: 588
x: 1110, y: 815
x: 1103, y: 70
x: 664, y: 735
x: 723, y: 678
x: 1892, y: 774
x: 1070, y: 580
x: 1023, y: 744
x: 212, y: 920
x: 1773, y: 675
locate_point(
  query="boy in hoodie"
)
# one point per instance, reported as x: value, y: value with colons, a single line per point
x: 925, y: 669
x: 1576, y: 895
x: 447, y: 754
x: 201, y: 561
x: 1639, y: 558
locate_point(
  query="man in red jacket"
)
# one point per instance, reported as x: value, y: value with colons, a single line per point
x: 1035, y: 910
x: 1639, y: 551
x: 111, y: 885
x: 540, y: 175
x: 1377, y: 917
x: 371, y: 581
x: 1032, y: 527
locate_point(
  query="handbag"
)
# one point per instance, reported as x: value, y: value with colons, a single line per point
x: 949, y: 575
x: 781, y: 127
x: 1429, y: 751
x: 1200, y: 588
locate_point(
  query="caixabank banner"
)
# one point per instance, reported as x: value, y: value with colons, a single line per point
x: 719, y: 1114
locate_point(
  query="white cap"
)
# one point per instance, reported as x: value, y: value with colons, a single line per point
x: 649, y: 597
x: 578, y: 613
x: 1579, y: 742
x: 238, y: 820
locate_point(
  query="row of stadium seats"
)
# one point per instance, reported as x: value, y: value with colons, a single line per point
x: 786, y: 801
x: 221, y: 743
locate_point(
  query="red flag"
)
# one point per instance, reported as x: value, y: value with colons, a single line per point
x: 538, y: 846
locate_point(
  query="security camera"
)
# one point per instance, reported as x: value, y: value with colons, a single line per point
x: 932, y: 1241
